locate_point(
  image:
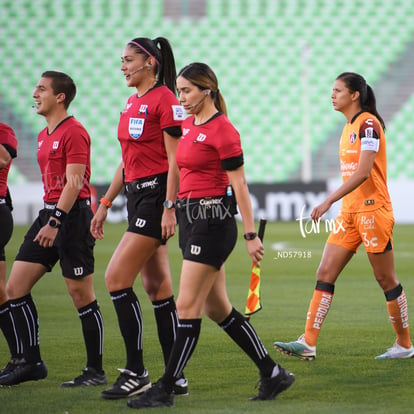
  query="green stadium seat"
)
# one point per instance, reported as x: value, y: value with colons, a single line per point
x: 255, y: 47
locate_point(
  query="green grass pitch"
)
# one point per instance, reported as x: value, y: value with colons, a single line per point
x: 345, y: 377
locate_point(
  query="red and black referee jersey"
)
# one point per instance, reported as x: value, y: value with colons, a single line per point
x: 200, y: 153
x: 140, y: 131
x: 69, y: 143
x: 9, y: 141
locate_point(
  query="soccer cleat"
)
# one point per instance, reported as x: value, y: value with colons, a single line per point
x: 180, y: 386
x: 127, y: 385
x: 25, y: 371
x: 10, y: 366
x: 89, y: 377
x: 270, y: 387
x: 299, y: 349
x: 156, y: 396
x: 397, y: 352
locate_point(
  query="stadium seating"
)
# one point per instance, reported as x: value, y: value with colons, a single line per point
x: 400, y: 146
x: 275, y: 60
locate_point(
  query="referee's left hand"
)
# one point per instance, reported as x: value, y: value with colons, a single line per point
x: 255, y: 249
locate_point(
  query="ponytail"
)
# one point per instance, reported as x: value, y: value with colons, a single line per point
x: 167, y: 71
x: 219, y: 102
x: 370, y: 105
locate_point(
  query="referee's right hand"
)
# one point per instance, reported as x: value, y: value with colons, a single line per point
x: 255, y: 249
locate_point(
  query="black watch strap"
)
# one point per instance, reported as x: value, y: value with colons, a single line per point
x: 250, y: 236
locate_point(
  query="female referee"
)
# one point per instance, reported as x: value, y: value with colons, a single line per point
x: 209, y: 155
x: 366, y: 217
x: 148, y: 131
x: 8, y: 151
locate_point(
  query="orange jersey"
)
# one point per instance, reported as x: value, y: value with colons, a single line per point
x: 364, y: 133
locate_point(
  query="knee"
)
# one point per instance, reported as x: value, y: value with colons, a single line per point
x: 157, y: 289
x: 386, y: 281
x: 218, y: 312
x: 215, y: 315
x: 188, y: 310
x: 151, y: 287
x: 81, y: 296
x: 113, y: 283
x: 12, y: 292
x: 323, y: 274
x: 3, y: 296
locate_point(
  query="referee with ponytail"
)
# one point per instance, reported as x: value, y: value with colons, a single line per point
x: 148, y: 132
x: 210, y: 157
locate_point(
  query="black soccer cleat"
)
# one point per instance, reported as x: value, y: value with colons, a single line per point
x: 180, y: 386
x: 25, y: 371
x: 269, y: 388
x: 89, y: 377
x: 128, y: 384
x: 10, y: 366
x: 156, y: 396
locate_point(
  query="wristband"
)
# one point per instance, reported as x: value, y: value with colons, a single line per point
x: 59, y: 214
x: 250, y: 236
x: 105, y: 202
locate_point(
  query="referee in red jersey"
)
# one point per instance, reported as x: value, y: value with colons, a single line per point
x: 8, y: 151
x: 148, y: 132
x: 59, y: 233
x: 210, y: 157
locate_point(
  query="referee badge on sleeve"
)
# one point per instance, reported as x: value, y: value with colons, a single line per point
x: 178, y: 112
x: 136, y: 126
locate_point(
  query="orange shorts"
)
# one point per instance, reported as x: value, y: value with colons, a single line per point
x: 373, y: 228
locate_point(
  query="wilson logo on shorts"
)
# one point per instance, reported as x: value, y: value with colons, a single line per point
x: 195, y: 250
x: 140, y: 223
x: 78, y: 271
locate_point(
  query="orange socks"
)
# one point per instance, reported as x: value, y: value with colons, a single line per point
x: 322, y: 300
x: 318, y: 310
x: 397, y: 309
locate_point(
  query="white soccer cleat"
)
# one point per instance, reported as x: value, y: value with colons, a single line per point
x: 397, y: 352
x: 299, y: 349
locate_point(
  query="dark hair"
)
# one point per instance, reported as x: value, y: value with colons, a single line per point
x: 202, y: 76
x: 62, y: 83
x: 160, y: 49
x: 355, y: 82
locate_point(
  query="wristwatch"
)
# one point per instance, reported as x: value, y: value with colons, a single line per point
x: 53, y: 223
x: 169, y: 204
x: 250, y: 236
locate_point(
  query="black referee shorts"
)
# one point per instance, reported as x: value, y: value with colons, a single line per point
x: 73, y: 245
x: 6, y: 228
x: 145, y: 205
x: 206, y: 240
